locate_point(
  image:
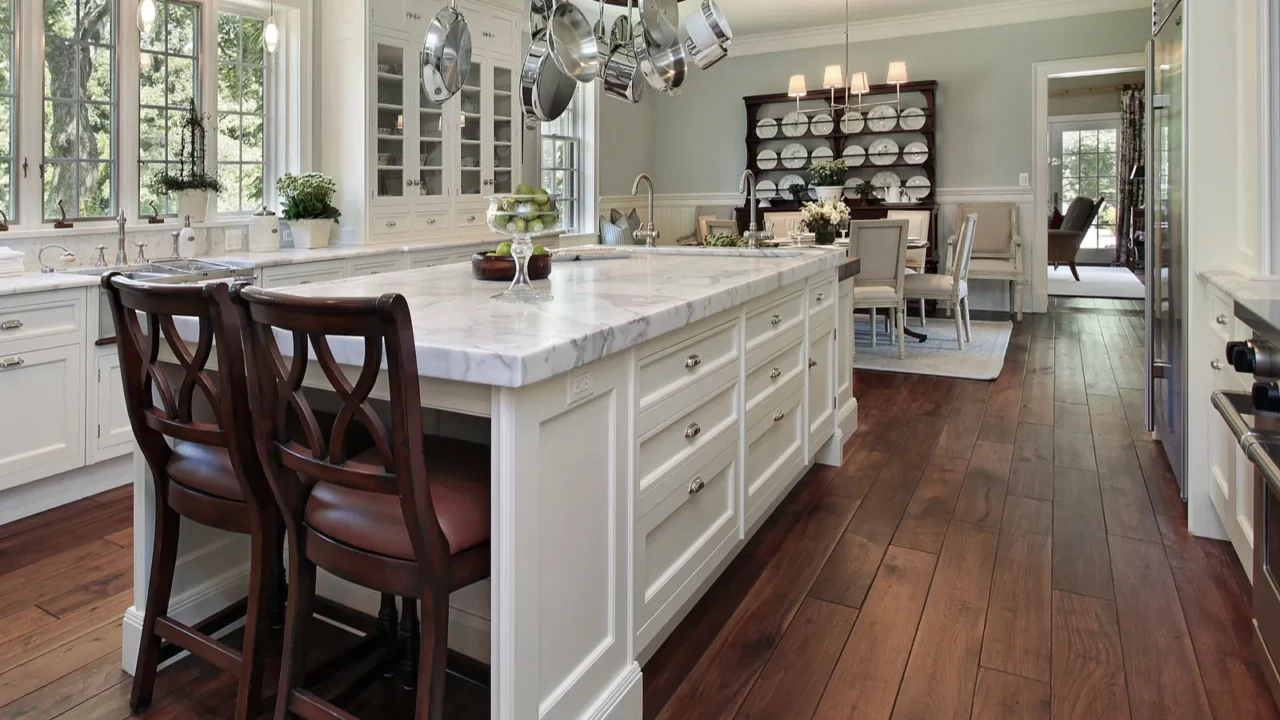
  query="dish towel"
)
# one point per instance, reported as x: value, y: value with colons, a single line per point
x: 10, y: 262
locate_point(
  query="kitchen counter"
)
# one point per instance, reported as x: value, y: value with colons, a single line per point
x: 1256, y: 300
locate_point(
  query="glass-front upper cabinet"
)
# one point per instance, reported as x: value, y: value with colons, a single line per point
x: 394, y: 77
x: 504, y: 127
x: 470, y: 106
x: 431, y: 147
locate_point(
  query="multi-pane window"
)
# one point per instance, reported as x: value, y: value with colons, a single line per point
x: 167, y: 84
x: 7, y: 114
x: 1088, y: 166
x: 562, y: 161
x: 79, y: 169
x: 242, y: 80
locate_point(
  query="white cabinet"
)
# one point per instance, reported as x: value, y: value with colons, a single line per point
x: 112, y: 434
x: 1231, y: 475
x: 378, y: 266
x: 43, y: 394
x: 774, y: 454
x: 821, y: 382
x: 303, y: 274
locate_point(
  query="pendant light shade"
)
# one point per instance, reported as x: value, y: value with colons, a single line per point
x: 858, y: 83
x: 797, y: 87
x: 833, y: 77
x: 147, y: 14
x: 897, y: 73
x: 271, y: 32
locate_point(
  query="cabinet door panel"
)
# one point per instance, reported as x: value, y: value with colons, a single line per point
x: 394, y: 77
x: 45, y: 390
x: 114, y: 434
x: 821, y: 387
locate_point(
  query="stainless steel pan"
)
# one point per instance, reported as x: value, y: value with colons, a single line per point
x: 539, y: 12
x: 621, y: 72
x: 573, y: 44
x: 663, y: 69
x: 661, y: 19
x: 446, y: 54
x: 708, y: 26
x: 545, y: 91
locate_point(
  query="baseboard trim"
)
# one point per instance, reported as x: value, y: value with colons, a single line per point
x: 624, y: 700
x: 191, y: 607
x: 48, y: 493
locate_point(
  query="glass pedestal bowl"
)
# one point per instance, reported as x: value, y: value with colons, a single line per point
x: 523, y: 218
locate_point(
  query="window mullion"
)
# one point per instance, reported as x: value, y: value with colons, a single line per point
x: 128, y: 94
x: 29, y: 139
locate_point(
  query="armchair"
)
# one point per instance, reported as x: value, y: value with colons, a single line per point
x: 997, y: 247
x: 1064, y: 243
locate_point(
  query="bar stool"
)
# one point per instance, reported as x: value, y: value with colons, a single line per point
x: 210, y: 474
x: 408, y: 517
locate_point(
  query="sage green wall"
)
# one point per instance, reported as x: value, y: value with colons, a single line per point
x: 694, y: 143
x: 1090, y: 103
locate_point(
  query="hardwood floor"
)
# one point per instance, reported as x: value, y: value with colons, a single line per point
x: 1007, y: 549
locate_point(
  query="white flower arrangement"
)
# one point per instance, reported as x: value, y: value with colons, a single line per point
x: 824, y: 212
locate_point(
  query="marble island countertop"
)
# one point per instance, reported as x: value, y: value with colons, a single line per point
x: 1257, y: 300
x: 600, y: 308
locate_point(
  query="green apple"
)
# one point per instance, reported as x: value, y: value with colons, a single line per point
x: 500, y: 221
x: 539, y: 250
x: 516, y: 225
x: 550, y: 219
x: 536, y: 226
x: 504, y: 250
x: 541, y: 197
x: 524, y: 189
x: 508, y: 205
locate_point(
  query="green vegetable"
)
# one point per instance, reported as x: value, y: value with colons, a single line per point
x: 721, y: 240
x: 550, y: 219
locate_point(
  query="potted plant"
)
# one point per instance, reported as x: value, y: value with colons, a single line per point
x: 191, y: 185
x: 307, y: 201
x: 824, y: 218
x: 866, y: 191
x: 828, y: 178
x: 796, y: 190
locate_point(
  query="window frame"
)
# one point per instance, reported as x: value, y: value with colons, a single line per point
x: 198, y: 40
x: 585, y: 136
x: 11, y: 208
x: 270, y: 124
x: 1058, y: 126
x: 574, y: 168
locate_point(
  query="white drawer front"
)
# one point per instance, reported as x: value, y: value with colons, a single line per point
x: 775, y: 449
x: 48, y: 385
x: 375, y: 267
x: 670, y: 443
x: 775, y: 320
x: 390, y: 224
x: 304, y: 274
x: 777, y: 377
x: 823, y: 295
x: 677, y: 368
x: 1222, y: 317
x: 472, y: 220
x: 431, y: 221
x: 39, y: 321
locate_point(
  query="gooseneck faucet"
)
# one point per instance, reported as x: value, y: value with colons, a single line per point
x: 186, y: 233
x: 650, y: 233
x: 748, y: 185
x: 121, y: 257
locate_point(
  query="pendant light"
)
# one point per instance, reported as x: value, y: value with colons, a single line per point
x: 858, y: 85
x: 147, y: 14
x: 797, y: 89
x: 271, y: 32
x: 897, y: 76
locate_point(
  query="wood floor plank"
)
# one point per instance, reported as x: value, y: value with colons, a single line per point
x: 71, y: 690
x: 30, y: 645
x: 1162, y: 486
x: 939, y: 680
x: 1026, y: 515
x: 1070, y: 417
x: 866, y: 678
x: 124, y: 538
x: 1088, y: 662
x: 924, y: 524
x: 1160, y: 663
x: 57, y: 592
x: 1001, y: 696
x: 942, y: 396
x: 1018, y: 624
x: 43, y: 542
x: 58, y: 662
x: 792, y: 682
x: 1073, y: 450
x: 998, y: 429
x: 1106, y: 416
x: 1031, y: 473
x: 1113, y: 452
x: 961, y: 432
x: 981, y: 500
x: 22, y: 622
x: 1125, y: 504
x: 1098, y: 376
x: 1081, y: 563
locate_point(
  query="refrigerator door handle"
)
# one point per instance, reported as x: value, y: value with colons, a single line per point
x: 1152, y: 245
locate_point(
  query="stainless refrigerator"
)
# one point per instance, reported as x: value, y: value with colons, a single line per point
x: 1166, y: 245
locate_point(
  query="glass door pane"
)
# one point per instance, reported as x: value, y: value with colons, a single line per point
x: 470, y: 128
x: 504, y: 124
x: 390, y: 120
x: 431, y: 126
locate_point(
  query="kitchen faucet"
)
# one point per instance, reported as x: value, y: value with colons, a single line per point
x: 186, y: 233
x: 649, y: 234
x: 122, y: 257
x: 753, y: 235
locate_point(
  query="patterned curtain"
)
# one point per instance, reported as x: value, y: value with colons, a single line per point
x: 1132, y: 153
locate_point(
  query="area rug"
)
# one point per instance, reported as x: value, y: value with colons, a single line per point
x: 1096, y: 282
x: 981, y: 359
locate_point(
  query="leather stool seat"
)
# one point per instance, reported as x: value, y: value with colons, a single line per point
x: 458, y: 476
x: 205, y: 468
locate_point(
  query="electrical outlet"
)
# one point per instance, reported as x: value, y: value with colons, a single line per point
x: 235, y: 239
x: 580, y: 385
x: 1024, y: 179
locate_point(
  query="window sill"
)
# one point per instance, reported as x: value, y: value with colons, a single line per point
x: 98, y: 227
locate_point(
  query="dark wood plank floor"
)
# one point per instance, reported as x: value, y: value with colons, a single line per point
x: 1006, y: 549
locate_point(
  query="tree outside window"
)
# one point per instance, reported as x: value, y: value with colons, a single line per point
x: 1088, y: 165
x: 242, y: 81
x: 7, y: 129
x: 167, y: 85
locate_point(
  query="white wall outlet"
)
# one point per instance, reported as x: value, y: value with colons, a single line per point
x: 1024, y: 179
x: 235, y: 239
x: 580, y: 385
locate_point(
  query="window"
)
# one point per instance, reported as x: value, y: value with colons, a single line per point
x: 562, y: 161
x: 7, y: 133
x: 1085, y: 154
x: 242, y: 81
x: 79, y: 168
x: 167, y: 85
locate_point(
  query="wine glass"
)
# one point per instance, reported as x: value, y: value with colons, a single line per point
x: 523, y: 218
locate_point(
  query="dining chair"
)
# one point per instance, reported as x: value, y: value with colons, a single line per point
x: 193, y: 432
x: 882, y: 247
x: 919, y: 223
x: 952, y: 287
x: 409, y: 516
x: 997, y: 248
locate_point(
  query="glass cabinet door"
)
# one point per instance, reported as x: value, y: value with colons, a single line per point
x: 390, y: 115
x: 504, y: 128
x: 431, y: 147
x: 470, y: 132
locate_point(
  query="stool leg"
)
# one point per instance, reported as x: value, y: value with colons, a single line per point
x: 387, y: 619
x: 263, y: 582
x: 281, y: 588
x: 302, y: 590
x: 434, y: 649
x: 409, y: 634
x: 164, y: 557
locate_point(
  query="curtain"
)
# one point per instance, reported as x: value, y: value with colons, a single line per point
x: 1132, y: 154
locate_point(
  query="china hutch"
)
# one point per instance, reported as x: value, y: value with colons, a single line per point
x: 408, y: 168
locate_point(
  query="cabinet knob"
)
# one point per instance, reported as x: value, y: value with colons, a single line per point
x: 693, y: 431
x: 1216, y: 364
x: 776, y: 320
x: 693, y: 361
x: 431, y: 221
x: 696, y: 486
x: 778, y: 416
x: 813, y: 364
x: 471, y: 218
x: 822, y: 296
x: 391, y: 223
x: 775, y: 374
x: 1221, y: 319
x: 10, y: 325
x: 10, y: 362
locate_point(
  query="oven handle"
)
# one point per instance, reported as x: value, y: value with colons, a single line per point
x: 1253, y: 443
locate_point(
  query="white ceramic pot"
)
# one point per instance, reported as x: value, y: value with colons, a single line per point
x: 311, y: 234
x: 832, y: 192
x: 194, y: 203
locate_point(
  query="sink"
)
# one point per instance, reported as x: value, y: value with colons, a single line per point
x: 722, y: 251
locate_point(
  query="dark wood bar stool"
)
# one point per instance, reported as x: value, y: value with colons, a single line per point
x: 211, y: 474
x: 408, y: 516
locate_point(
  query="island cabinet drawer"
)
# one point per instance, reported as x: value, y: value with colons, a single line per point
x: 377, y: 266
x: 682, y: 538
x: 775, y: 320
x: 775, y: 452
x: 677, y: 369
x: 42, y: 320
x: 777, y: 377
x: 669, y: 443
x: 823, y: 294
x: 305, y: 274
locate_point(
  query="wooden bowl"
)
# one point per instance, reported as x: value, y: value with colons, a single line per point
x: 490, y: 267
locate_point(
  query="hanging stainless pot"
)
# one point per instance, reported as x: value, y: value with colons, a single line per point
x: 663, y: 69
x: 573, y: 44
x: 661, y: 20
x: 545, y: 91
x: 539, y: 12
x: 621, y: 72
x: 704, y: 58
x: 620, y: 33
x: 708, y: 27
x: 446, y: 55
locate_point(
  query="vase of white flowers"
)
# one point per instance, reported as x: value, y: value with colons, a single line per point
x: 824, y: 218
x: 828, y: 178
x: 307, y: 201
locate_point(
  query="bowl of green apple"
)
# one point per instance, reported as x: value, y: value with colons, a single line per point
x: 500, y: 264
x: 528, y: 212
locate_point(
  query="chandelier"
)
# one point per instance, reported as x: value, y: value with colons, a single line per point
x: 833, y: 79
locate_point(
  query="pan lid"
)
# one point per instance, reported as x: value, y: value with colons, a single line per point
x: 446, y: 55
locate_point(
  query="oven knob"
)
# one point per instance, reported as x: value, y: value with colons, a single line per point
x: 1266, y: 397
x: 1242, y: 357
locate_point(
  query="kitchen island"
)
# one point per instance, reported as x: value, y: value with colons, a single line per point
x: 642, y: 425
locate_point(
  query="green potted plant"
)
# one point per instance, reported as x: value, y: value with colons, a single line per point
x: 865, y: 190
x: 191, y: 185
x: 796, y: 190
x: 828, y: 178
x: 307, y: 205
x: 824, y: 218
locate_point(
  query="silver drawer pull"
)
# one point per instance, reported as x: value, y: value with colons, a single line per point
x: 775, y: 374
x: 1216, y: 364
x: 778, y: 416
x: 776, y: 320
x: 391, y: 223
x: 813, y: 364
x: 693, y: 361
x: 693, y: 431
x: 305, y: 282
x: 10, y: 325
x: 471, y: 218
x: 10, y: 362
x: 822, y: 296
x: 431, y: 221
x: 696, y: 486
x: 1222, y: 319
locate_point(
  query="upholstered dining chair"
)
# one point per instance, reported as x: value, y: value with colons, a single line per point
x: 409, y: 516
x: 952, y: 287
x: 997, y: 248
x: 1064, y: 243
x: 918, y: 224
x: 882, y: 247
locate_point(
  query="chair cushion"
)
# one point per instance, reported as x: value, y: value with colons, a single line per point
x: 204, y: 468
x: 928, y: 286
x: 1079, y: 215
x: 458, y: 475
x: 870, y: 295
x: 989, y: 267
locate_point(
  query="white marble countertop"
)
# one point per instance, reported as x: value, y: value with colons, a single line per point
x: 1239, y: 287
x: 600, y: 308
x: 43, y: 282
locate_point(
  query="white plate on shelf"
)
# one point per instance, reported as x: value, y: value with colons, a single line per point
x: 885, y: 179
x: 883, y: 152
x: 767, y: 160
x: 882, y: 118
x: 918, y: 187
x: 794, y: 156
x: 767, y: 128
x: 765, y: 189
x: 850, y: 186
x: 852, y: 122
x: 854, y: 155
x: 822, y: 124
x: 822, y: 153
x: 912, y: 119
x: 786, y: 182
x: 917, y: 153
x: 794, y: 124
